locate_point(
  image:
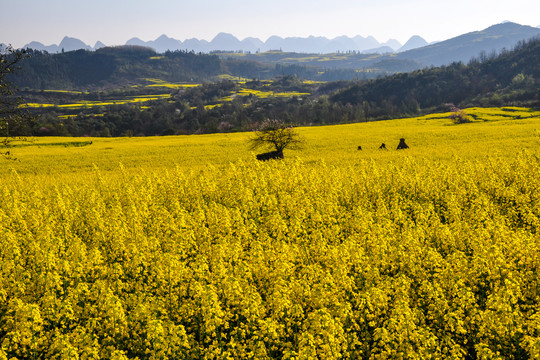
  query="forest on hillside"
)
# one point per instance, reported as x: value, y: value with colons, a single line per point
x: 239, y: 104
x: 114, y: 67
x: 512, y: 77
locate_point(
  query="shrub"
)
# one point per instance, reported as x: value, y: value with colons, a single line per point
x: 458, y: 116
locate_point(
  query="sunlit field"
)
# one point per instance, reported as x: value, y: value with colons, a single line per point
x: 187, y: 247
x: 89, y: 104
x: 145, y: 99
x: 494, y: 133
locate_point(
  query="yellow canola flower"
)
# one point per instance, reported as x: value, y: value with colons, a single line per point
x: 266, y: 94
x: 188, y: 247
x: 132, y: 100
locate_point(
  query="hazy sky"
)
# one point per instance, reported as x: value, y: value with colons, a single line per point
x: 113, y: 22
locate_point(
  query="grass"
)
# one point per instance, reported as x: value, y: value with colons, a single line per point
x: 432, y: 137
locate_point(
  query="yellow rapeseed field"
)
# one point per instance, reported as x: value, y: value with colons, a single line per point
x: 186, y: 247
x: 89, y: 104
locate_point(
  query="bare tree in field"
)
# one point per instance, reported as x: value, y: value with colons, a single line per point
x: 277, y: 135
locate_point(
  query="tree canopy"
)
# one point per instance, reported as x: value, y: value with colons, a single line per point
x: 276, y: 134
x: 14, y: 121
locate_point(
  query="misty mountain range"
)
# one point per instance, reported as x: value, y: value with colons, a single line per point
x: 461, y: 48
x: 228, y: 42
x: 491, y: 40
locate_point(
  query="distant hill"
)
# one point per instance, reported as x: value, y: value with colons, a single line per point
x: 36, y: 45
x: 99, y: 45
x: 416, y: 49
x: 87, y: 68
x: 71, y: 44
x: 364, y: 43
x: 224, y: 41
x: 414, y: 55
x: 161, y: 44
x: 393, y: 44
x: 112, y: 67
x: 512, y: 78
x: 462, y: 48
x: 413, y: 43
x: 228, y: 42
x: 379, y: 50
x: 67, y: 44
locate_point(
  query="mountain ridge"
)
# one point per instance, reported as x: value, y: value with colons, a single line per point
x: 470, y: 45
x: 414, y: 42
x: 227, y: 42
x: 465, y: 47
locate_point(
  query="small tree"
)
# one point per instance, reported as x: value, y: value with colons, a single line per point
x: 458, y: 116
x: 275, y: 134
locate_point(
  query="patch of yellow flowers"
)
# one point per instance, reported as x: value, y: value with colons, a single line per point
x: 368, y: 258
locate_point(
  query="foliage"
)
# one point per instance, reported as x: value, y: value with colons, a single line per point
x: 432, y: 253
x: 276, y: 134
x: 458, y: 116
x: 112, y: 67
x: 490, y: 81
x: 151, y: 109
x: 13, y: 120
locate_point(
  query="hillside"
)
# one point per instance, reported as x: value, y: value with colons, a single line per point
x: 112, y: 67
x: 413, y: 43
x: 125, y: 65
x: 415, y: 54
x: 510, y: 78
x: 462, y: 48
x: 108, y: 68
x: 141, y: 105
x: 353, y: 65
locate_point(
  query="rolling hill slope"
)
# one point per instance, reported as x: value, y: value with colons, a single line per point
x: 510, y: 78
x: 464, y: 47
